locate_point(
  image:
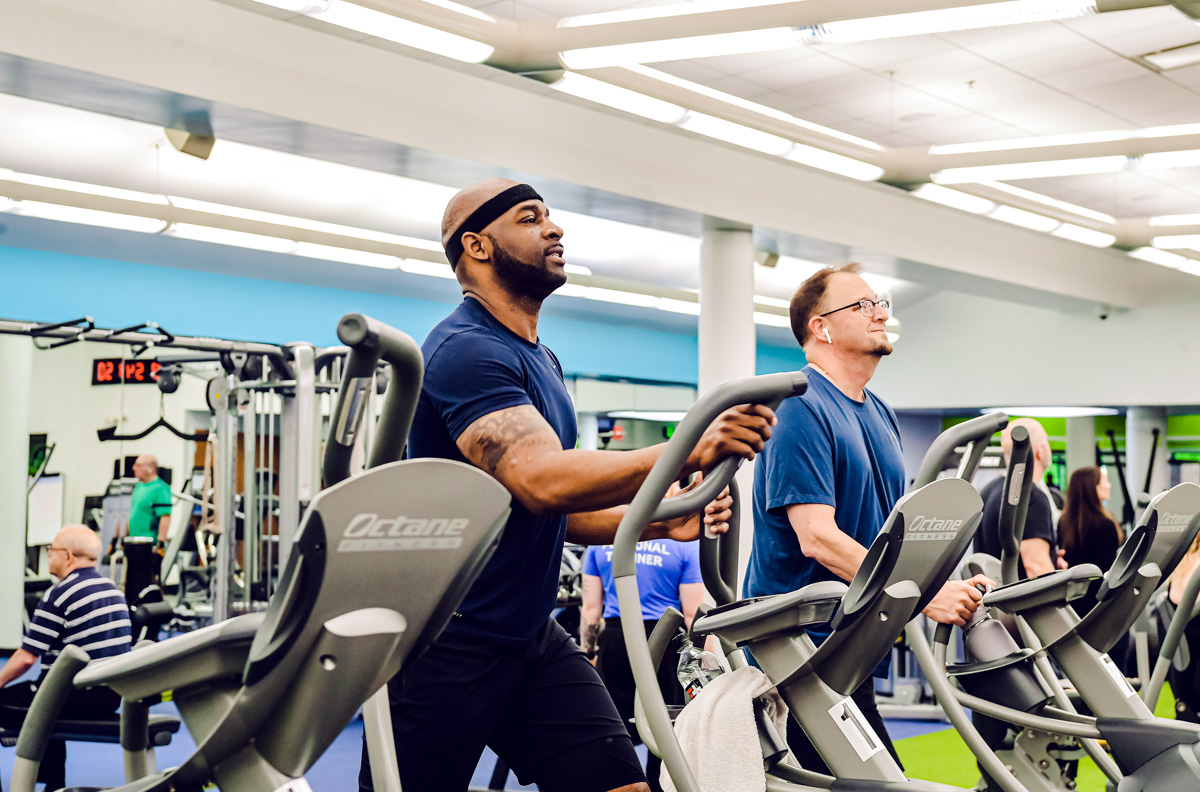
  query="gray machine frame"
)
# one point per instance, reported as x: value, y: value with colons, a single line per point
x: 895, y: 581
x: 264, y: 694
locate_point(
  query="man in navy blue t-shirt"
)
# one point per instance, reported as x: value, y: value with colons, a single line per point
x: 824, y: 485
x: 504, y: 674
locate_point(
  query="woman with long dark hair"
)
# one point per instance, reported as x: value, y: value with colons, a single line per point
x: 1087, y: 532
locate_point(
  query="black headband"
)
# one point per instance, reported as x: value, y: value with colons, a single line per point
x: 483, y: 217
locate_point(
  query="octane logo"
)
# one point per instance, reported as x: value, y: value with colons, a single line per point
x: 931, y: 529
x: 1173, y: 523
x: 368, y: 532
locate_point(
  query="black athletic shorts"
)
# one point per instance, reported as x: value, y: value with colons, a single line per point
x: 542, y: 708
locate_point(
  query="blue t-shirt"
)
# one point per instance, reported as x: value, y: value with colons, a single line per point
x: 474, y: 366
x: 827, y: 448
x: 662, y: 566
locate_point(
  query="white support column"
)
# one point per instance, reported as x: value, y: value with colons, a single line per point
x: 16, y: 352
x: 726, y: 333
x: 1081, y: 444
x: 1140, y: 423
x: 588, y: 431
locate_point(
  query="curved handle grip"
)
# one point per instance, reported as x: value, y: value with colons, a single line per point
x: 43, y: 713
x: 976, y: 431
x: 370, y: 341
x: 1018, y: 483
x: 648, y: 505
x: 719, y: 555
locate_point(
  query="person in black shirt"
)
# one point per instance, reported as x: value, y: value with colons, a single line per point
x: 1039, y: 544
x: 1087, y: 532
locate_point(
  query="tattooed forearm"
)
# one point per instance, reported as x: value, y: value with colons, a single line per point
x: 589, y: 634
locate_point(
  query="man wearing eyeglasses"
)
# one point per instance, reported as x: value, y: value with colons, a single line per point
x: 84, y: 609
x: 824, y: 485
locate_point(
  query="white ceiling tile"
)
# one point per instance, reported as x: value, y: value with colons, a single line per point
x: 1160, y: 37
x: 787, y: 76
x: 696, y: 71
x: 1188, y: 76
x: 954, y: 62
x: 1146, y: 85
x: 737, y: 64
x: 1085, y: 54
x: 1085, y: 120
x: 994, y: 99
x: 1098, y: 27
x: 890, y: 53
x: 736, y: 86
x: 1021, y: 41
x: 824, y: 116
x: 1115, y: 70
x: 954, y: 83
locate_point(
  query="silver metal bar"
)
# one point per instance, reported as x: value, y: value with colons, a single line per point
x: 9, y: 327
x: 227, y: 432
x: 247, y: 410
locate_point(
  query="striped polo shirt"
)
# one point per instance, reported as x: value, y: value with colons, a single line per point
x: 84, y: 609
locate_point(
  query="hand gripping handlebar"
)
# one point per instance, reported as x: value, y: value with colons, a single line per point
x: 370, y: 341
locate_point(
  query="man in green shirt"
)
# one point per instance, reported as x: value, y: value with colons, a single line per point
x: 150, y: 506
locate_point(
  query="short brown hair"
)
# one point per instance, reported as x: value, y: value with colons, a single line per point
x: 807, y: 298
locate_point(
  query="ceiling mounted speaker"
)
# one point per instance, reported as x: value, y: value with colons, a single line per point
x: 766, y: 258
x: 193, y: 134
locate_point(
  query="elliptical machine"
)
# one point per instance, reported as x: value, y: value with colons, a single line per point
x: 379, y: 564
x: 1148, y: 752
x: 923, y: 539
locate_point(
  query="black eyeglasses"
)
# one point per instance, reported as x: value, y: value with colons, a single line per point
x: 866, y: 306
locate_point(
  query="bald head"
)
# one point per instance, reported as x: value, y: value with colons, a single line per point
x: 82, y: 541
x: 1039, y: 442
x: 467, y: 200
x: 145, y: 467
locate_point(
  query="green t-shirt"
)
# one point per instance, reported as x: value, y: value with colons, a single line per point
x: 150, y: 501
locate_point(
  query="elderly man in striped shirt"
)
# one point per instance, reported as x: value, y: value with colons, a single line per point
x: 84, y: 609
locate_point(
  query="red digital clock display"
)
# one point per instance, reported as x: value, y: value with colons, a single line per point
x: 114, y: 371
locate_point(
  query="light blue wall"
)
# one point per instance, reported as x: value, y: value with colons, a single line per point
x: 44, y: 286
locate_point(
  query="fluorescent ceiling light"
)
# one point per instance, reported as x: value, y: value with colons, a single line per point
x: 1165, y: 259
x: 1086, y: 236
x: 954, y: 198
x: 81, y: 187
x: 1046, y: 200
x: 577, y: 269
x: 728, y: 131
x: 662, y: 11
x: 745, y: 104
x: 1080, y: 166
x: 1175, y: 220
x: 621, y: 297
x: 772, y: 302
x: 945, y: 20
x: 1019, y: 217
x: 771, y: 320
x: 458, y: 8
x: 666, y: 416
x: 1170, y: 159
x: 765, y: 40
x: 305, y: 223
x: 1052, y: 412
x: 92, y: 217
x: 1071, y: 139
x: 362, y: 258
x: 430, y: 268
x: 678, y: 306
x: 1189, y: 241
x: 391, y: 28
x: 224, y: 236
x: 298, y: 6
x: 1174, y: 58
x: 620, y: 98
x: 834, y: 163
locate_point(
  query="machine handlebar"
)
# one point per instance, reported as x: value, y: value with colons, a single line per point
x: 370, y: 341
x: 1018, y: 483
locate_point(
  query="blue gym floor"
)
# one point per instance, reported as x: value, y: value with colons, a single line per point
x: 94, y: 764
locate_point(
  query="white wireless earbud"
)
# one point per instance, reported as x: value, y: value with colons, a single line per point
x: 827, y: 338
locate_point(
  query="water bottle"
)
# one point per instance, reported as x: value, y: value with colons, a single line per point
x: 697, y: 667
